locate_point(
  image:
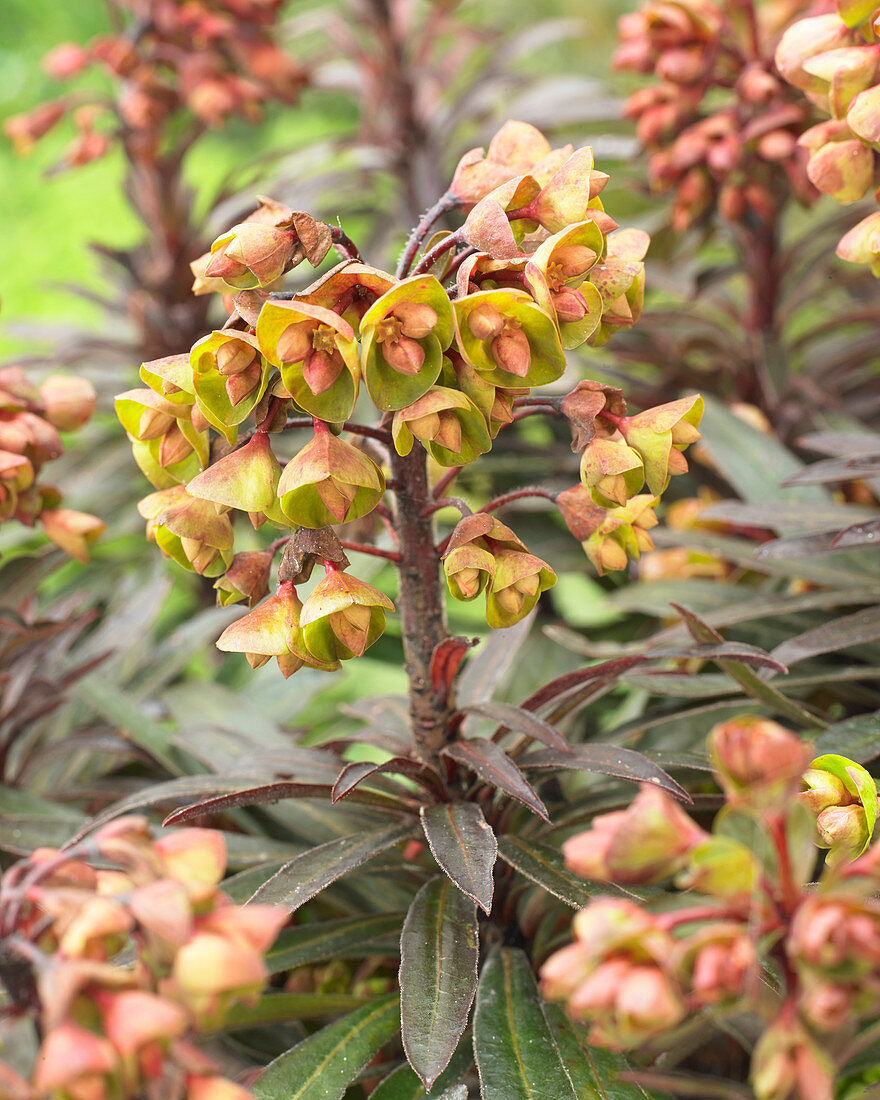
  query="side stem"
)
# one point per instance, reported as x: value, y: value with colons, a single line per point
x: 422, y: 606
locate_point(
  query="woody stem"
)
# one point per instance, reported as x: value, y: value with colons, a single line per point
x: 422, y: 606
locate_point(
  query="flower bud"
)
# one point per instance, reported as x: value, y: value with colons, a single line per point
x: 74, y: 1063
x: 660, y: 434
x: 211, y: 972
x: 805, y: 39
x: 509, y: 339
x: 842, y: 169
x: 861, y: 245
x: 622, y: 534
x: 468, y: 570
x: 342, y: 617
x: 564, y: 971
x: 786, y: 1062
x: 247, y: 578
x: 517, y: 583
x: 837, y: 937
x: 627, y: 1003
x: 140, y: 1025
x: 723, y: 963
x: 329, y: 481
x: 251, y: 255
x: 72, y: 531
x: 448, y: 424
x: 69, y: 401
x: 163, y: 912
x: 25, y: 130
x: 644, y: 844
x: 194, y: 857
x: 757, y: 761
x: 192, y: 532
x: 230, y: 377
x: 612, y: 471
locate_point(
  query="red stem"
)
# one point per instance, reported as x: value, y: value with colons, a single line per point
x: 373, y: 551
x: 517, y: 494
x: 433, y: 254
x: 443, y: 205
x: 445, y: 481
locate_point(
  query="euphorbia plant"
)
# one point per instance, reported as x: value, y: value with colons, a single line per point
x: 448, y: 350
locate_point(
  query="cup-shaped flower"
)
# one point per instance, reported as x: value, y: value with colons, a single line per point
x: 230, y: 377
x: 620, y: 280
x: 75, y: 1063
x: 648, y: 842
x: 843, y: 795
x: 272, y: 629
x: 517, y: 583
x: 246, y: 479
x: 27, y: 434
x: 140, y: 1026
x: 719, y: 963
x: 835, y: 936
x: 861, y: 245
x: 862, y: 114
x: 175, y: 445
x: 556, y: 276
x: 164, y: 915
x: 329, y: 481
x: 171, y: 377
x: 612, y: 471
x: 16, y: 474
x: 270, y: 242
x: 510, y: 340
x: 468, y: 570
x: 627, y: 1003
x: 196, y: 858
x: 842, y: 169
x: 622, y: 533
x: 349, y: 289
x: 247, y: 578
x: 69, y: 401
x: 72, y: 531
x: 447, y: 423
x: 660, y: 434
x: 787, y: 1062
x: 808, y: 38
x: 212, y: 972
x: 342, y: 617
x: 317, y: 353
x: 192, y: 532
x: 844, y: 73
x: 517, y: 148
x: 404, y: 334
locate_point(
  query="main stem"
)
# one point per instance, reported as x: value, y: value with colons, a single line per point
x: 421, y: 601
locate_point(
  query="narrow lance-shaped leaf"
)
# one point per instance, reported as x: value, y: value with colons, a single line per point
x: 464, y: 846
x: 310, y: 873
x: 404, y: 1084
x: 324, y: 1065
x: 495, y: 767
x: 517, y: 1057
x: 607, y: 760
x: 544, y: 866
x: 521, y: 721
x: 594, y: 1072
x: 438, y: 975
x: 353, y: 937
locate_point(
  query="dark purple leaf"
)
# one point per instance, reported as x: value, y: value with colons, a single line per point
x: 860, y: 534
x: 836, y: 469
x: 464, y: 846
x: 495, y: 767
x: 308, y: 874
x: 856, y: 629
x: 485, y: 672
x: 520, y: 721
x: 608, y: 760
x: 709, y: 651
x: 353, y: 774
x: 798, y: 546
x: 603, y: 673
x: 439, y: 951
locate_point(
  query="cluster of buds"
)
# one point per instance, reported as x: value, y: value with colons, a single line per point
x: 113, y: 1030
x: 31, y: 419
x: 720, y: 125
x: 206, y: 59
x: 834, y: 58
x: 447, y: 351
x: 753, y: 934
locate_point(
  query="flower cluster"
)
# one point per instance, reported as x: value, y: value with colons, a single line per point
x: 752, y: 934
x: 118, y: 1030
x: 446, y: 351
x: 721, y: 127
x: 834, y: 58
x: 31, y: 419
x: 208, y: 59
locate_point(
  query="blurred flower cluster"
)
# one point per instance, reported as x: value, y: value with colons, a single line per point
x: 208, y: 58
x: 722, y: 128
x: 536, y: 268
x: 834, y: 58
x: 750, y: 933
x: 31, y: 419
x: 118, y: 1029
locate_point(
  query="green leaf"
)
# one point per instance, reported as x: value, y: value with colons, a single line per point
x: 275, y: 1007
x: 858, y: 738
x: 517, y: 1057
x: 594, y: 1072
x: 353, y: 937
x: 107, y: 700
x: 753, y: 463
x: 544, y: 866
x: 308, y: 874
x: 438, y: 975
x: 464, y: 847
x: 324, y: 1065
x: 404, y: 1084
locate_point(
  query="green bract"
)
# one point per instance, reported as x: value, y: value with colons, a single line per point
x: 229, y: 377
x: 556, y: 277
x: 191, y: 531
x: 519, y: 580
x: 859, y: 784
x: 659, y: 435
x: 329, y: 481
x: 342, y: 617
x: 448, y: 424
x: 245, y: 479
x: 171, y: 377
x: 405, y: 333
x: 317, y: 353
x: 509, y: 339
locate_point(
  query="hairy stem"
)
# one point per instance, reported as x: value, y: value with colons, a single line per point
x: 422, y: 606
x: 444, y: 204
